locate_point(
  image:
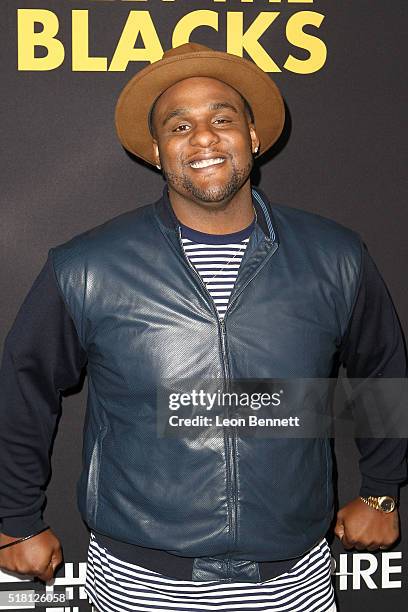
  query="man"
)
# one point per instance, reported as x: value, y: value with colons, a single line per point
x: 210, y: 282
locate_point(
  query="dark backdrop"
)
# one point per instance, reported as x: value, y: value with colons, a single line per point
x: 342, y: 155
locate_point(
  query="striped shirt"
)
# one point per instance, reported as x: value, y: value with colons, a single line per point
x: 216, y: 258
x: 113, y: 585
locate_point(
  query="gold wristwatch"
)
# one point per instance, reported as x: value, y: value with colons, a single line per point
x: 384, y: 503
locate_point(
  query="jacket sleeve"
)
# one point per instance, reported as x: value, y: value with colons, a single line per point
x: 42, y: 356
x: 374, y: 346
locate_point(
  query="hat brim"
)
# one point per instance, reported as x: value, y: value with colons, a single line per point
x: 138, y: 96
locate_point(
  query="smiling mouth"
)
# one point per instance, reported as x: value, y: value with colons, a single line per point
x: 205, y: 163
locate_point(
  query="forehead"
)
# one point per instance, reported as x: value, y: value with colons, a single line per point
x: 197, y: 92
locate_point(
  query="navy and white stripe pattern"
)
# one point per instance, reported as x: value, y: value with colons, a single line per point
x: 217, y: 258
x: 113, y: 585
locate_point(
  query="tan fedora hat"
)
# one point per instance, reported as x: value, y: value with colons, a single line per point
x: 194, y: 60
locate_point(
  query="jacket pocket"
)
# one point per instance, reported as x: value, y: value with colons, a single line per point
x: 93, y: 476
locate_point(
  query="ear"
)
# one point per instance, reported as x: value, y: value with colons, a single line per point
x: 156, y: 153
x: 254, y: 139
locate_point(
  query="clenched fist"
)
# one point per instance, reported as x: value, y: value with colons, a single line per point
x: 364, y: 528
x: 38, y: 556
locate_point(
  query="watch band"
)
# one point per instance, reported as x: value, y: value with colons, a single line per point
x: 383, y: 503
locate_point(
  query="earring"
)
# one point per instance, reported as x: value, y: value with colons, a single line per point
x: 256, y: 150
x: 158, y: 166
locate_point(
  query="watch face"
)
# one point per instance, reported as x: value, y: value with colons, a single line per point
x: 387, y: 504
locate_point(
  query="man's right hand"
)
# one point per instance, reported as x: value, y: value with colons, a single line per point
x: 38, y: 556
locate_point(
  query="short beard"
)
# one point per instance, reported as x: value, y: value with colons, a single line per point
x: 211, y: 194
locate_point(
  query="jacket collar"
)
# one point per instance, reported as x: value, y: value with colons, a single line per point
x: 265, y: 222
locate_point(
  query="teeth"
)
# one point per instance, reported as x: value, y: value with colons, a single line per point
x: 203, y: 163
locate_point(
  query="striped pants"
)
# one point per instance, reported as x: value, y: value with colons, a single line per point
x: 113, y: 585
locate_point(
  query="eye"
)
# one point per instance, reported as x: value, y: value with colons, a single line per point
x: 222, y: 120
x: 182, y: 127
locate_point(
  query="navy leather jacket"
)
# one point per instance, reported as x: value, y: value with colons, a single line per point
x: 143, y: 315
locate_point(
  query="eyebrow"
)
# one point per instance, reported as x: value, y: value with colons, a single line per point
x: 177, y: 112
x: 221, y: 105
x: 174, y: 113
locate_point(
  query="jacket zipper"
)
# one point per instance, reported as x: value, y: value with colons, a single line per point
x: 230, y: 440
x: 229, y: 431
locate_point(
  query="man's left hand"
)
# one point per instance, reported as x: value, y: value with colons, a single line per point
x: 364, y: 528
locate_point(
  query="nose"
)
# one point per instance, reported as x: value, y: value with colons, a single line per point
x: 204, y: 135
